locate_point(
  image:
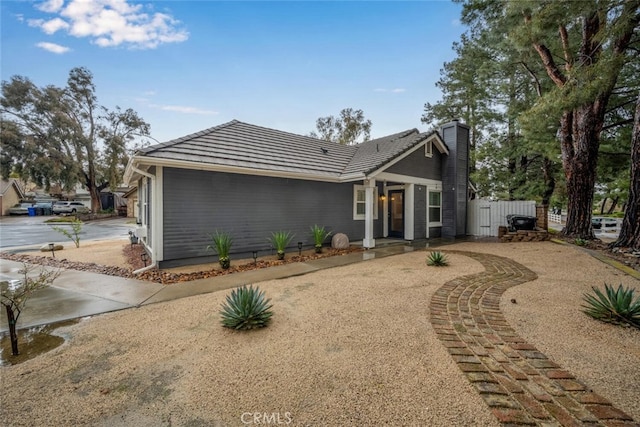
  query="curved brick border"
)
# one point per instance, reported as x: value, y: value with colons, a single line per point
x: 518, y: 382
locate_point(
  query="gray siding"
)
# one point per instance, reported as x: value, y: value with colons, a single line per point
x: 420, y: 214
x: 435, y: 232
x: 455, y: 179
x: 250, y: 208
x: 417, y: 164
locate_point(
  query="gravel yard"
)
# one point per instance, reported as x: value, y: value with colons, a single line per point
x: 351, y: 345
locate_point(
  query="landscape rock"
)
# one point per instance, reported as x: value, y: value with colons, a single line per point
x: 340, y: 241
x: 46, y: 248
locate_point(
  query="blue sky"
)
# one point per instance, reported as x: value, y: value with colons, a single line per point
x: 185, y: 66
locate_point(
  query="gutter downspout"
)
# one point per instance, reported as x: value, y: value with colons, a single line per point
x: 154, y: 262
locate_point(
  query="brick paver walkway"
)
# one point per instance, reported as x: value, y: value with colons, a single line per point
x: 520, y: 384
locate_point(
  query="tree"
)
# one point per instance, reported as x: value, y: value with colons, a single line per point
x: 583, y: 47
x: 14, y: 296
x: 580, y: 59
x: 62, y: 135
x: 346, y: 129
x: 489, y: 85
x: 630, y: 232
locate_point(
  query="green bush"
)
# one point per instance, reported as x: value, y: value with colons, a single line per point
x: 580, y: 242
x: 246, y: 308
x: 222, y: 246
x: 280, y: 240
x: 319, y: 235
x: 614, y: 305
x: 437, y: 259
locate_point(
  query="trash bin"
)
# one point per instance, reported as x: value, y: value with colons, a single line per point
x: 39, y: 211
x: 521, y: 222
x: 31, y: 211
x: 47, y: 211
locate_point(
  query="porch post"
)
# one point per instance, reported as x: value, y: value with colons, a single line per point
x: 409, y: 211
x: 370, y: 194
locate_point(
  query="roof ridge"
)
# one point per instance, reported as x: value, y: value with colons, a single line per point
x: 398, y: 135
x: 171, y: 142
x: 283, y: 131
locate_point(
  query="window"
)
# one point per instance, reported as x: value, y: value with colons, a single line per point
x: 428, y: 149
x: 359, y: 202
x: 435, y: 207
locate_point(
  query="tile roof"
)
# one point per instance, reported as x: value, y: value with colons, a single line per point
x: 238, y: 144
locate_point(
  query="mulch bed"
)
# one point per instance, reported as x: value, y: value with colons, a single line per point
x: 132, y: 254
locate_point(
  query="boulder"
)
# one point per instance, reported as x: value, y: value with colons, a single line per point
x: 46, y: 248
x: 340, y: 241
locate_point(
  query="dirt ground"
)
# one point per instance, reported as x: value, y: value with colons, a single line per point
x: 351, y: 345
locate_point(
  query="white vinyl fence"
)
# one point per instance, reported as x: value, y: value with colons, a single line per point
x: 484, y: 216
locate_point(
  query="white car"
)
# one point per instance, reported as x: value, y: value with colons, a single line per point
x: 20, y: 209
x: 69, y: 208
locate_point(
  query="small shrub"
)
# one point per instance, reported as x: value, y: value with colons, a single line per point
x: 246, y: 308
x: 437, y: 259
x: 580, y: 242
x: 614, y: 305
x: 280, y: 240
x: 14, y: 296
x: 74, y: 234
x: 222, y: 246
x: 319, y: 235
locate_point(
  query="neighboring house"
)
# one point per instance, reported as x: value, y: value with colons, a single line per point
x: 131, y: 198
x: 250, y: 181
x: 10, y: 194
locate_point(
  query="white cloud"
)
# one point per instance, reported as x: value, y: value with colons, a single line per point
x: 184, y: 109
x: 52, y: 47
x: 50, y: 6
x: 54, y: 25
x: 111, y: 23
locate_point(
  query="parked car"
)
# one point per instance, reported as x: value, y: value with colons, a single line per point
x: 69, y: 208
x: 20, y: 209
x: 598, y: 222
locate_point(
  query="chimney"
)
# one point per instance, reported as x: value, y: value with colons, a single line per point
x: 455, y: 179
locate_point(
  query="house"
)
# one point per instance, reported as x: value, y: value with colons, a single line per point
x: 131, y: 200
x: 10, y: 194
x: 250, y: 181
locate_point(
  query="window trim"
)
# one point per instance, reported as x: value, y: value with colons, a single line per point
x: 356, y: 215
x: 429, y: 206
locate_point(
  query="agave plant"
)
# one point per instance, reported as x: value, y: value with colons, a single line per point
x: 613, y: 306
x: 319, y: 235
x: 280, y: 240
x: 246, y: 308
x: 437, y: 259
x: 222, y: 246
